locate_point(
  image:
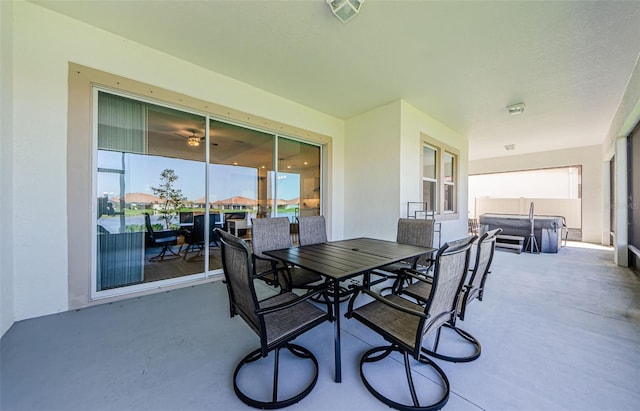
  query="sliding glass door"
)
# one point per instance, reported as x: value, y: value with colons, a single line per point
x: 147, y: 174
x: 166, y: 178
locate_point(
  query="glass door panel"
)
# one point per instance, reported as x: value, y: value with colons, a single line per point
x: 298, y: 181
x: 240, y: 169
x: 147, y: 177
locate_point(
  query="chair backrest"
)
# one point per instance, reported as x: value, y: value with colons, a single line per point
x: 197, y: 232
x: 147, y: 223
x: 270, y: 234
x: 416, y: 231
x: 484, y: 256
x: 215, y: 219
x: 451, y: 265
x: 238, y: 274
x: 312, y: 230
x: 186, y: 217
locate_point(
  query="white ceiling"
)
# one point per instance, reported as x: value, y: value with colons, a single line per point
x: 460, y: 62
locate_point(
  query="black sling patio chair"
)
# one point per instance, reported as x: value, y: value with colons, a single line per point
x: 277, y: 320
x: 274, y: 234
x: 472, y: 289
x: 165, y: 239
x: 405, y: 324
x: 412, y: 231
x: 313, y: 230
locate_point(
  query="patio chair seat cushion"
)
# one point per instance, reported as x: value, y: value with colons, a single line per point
x: 400, y: 325
x: 283, y: 323
x: 419, y: 290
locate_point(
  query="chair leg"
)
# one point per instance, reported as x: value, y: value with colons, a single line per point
x: 256, y: 355
x: 161, y: 256
x: 379, y: 353
x: 477, y: 348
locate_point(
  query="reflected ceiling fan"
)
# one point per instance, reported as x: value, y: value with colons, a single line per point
x: 194, y: 140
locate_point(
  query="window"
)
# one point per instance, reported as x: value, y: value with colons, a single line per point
x: 448, y: 161
x: 429, y: 176
x: 155, y: 164
x: 439, y: 177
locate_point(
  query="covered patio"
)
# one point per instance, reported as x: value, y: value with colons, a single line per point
x: 558, y: 332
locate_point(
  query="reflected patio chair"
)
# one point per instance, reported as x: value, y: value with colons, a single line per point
x: 274, y: 234
x: 165, y: 239
x: 195, y: 236
x: 405, y: 324
x: 412, y: 231
x: 473, y: 289
x: 277, y: 321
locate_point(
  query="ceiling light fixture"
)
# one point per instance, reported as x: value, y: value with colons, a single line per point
x: 516, y: 109
x: 345, y: 10
x: 510, y: 147
x: 193, y: 141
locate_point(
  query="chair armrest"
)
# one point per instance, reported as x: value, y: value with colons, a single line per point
x: 383, y: 300
x: 295, y: 301
x: 417, y: 275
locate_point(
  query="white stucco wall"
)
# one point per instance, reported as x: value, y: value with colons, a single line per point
x: 372, y: 173
x: 6, y: 167
x: 590, y: 158
x: 383, y: 159
x: 415, y: 122
x: 44, y: 44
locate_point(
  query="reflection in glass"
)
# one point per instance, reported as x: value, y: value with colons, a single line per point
x: 158, y: 201
x: 298, y: 181
x: 448, y: 167
x: 428, y: 162
x: 240, y: 176
x: 429, y: 195
x: 429, y: 174
x: 449, y: 182
x: 144, y: 166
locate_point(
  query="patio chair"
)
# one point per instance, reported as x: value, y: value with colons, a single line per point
x: 165, y: 239
x: 473, y: 289
x: 405, y: 324
x: 276, y: 320
x: 411, y: 231
x: 273, y: 234
x: 312, y: 230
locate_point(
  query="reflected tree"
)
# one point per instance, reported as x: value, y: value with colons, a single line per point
x: 172, y: 198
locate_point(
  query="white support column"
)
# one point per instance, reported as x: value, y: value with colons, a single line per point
x: 621, y: 255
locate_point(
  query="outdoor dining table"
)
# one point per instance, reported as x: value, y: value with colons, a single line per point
x: 340, y: 260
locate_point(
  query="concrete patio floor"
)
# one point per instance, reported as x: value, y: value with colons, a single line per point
x: 558, y: 332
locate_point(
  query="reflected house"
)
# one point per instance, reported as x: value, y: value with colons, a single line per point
x: 137, y: 201
x: 236, y: 203
x: 294, y: 203
x: 199, y: 202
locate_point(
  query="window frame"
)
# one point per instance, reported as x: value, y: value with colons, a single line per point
x: 81, y: 167
x: 441, y: 149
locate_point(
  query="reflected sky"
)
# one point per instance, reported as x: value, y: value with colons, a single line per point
x: 142, y: 172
